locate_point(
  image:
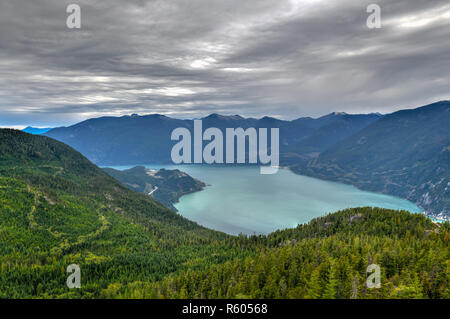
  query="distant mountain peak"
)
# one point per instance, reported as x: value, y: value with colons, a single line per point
x: 445, y: 103
x: 36, y: 130
x: 154, y: 115
x: 269, y: 118
x: 223, y: 117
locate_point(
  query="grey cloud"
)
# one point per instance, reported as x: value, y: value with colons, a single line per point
x: 193, y: 57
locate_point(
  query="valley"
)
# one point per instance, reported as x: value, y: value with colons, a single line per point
x: 403, y: 154
x: 59, y: 209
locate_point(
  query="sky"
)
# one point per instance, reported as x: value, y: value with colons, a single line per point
x: 190, y: 58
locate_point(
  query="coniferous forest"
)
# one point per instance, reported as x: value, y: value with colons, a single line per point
x: 58, y: 209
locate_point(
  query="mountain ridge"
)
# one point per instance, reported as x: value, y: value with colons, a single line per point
x: 128, y: 140
x: 403, y: 154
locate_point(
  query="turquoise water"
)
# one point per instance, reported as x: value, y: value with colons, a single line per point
x: 240, y: 200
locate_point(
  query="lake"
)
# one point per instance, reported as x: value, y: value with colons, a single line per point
x: 241, y: 200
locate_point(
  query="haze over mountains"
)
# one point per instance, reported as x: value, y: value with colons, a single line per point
x: 405, y: 153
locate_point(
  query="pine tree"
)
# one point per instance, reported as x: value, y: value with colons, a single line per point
x: 330, y: 287
x: 314, y: 289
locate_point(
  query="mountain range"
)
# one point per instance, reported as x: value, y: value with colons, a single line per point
x: 405, y: 153
x: 134, y: 139
x: 58, y: 209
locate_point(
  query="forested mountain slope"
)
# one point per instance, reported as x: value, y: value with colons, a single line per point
x: 333, y: 131
x: 166, y: 186
x: 327, y: 258
x: 57, y: 209
x: 406, y: 153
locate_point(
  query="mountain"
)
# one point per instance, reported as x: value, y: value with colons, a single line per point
x: 327, y: 258
x: 58, y: 209
x: 329, y: 130
x: 403, y: 154
x: 335, y: 127
x: 166, y: 186
x: 122, y: 140
x: 406, y: 153
x: 35, y: 130
x: 130, y: 140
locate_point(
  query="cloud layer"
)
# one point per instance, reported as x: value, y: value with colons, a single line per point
x: 189, y: 58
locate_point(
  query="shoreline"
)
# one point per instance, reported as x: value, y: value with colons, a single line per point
x: 424, y: 211
x: 431, y: 216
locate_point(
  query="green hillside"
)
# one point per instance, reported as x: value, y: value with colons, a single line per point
x: 166, y: 186
x: 57, y: 209
x: 328, y: 258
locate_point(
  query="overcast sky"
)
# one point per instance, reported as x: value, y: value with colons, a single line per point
x: 190, y: 58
